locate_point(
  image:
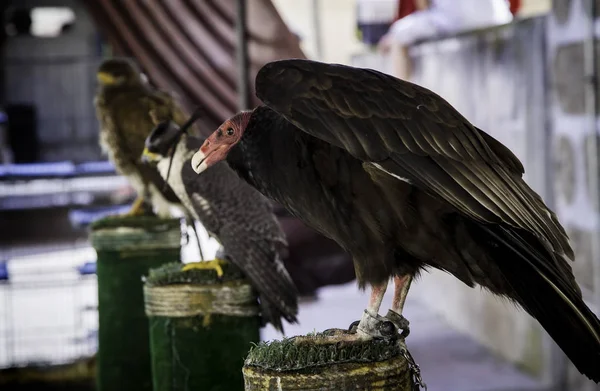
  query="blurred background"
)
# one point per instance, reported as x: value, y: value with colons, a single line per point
x: 525, y: 71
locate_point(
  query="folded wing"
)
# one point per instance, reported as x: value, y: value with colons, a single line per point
x: 410, y: 132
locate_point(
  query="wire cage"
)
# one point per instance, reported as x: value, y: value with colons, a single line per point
x: 48, y: 314
x: 52, y: 178
x: 49, y: 303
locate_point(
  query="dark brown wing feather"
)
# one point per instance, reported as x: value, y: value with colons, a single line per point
x: 413, y: 133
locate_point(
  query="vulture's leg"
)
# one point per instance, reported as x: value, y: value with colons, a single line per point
x: 377, y: 293
x: 372, y: 324
x: 216, y: 264
x: 401, y: 287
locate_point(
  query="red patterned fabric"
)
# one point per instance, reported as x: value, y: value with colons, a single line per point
x: 405, y: 7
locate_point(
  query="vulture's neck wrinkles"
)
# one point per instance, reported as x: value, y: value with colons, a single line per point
x: 243, y: 155
x: 251, y: 157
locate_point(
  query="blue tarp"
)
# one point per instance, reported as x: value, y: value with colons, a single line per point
x: 102, y: 167
x: 53, y: 170
x: 87, y: 268
x: 38, y: 169
x: 3, y: 271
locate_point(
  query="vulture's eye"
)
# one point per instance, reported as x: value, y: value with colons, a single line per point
x: 230, y: 131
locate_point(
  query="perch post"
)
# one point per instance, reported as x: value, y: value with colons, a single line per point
x: 127, y: 247
x: 328, y: 361
x: 201, y: 327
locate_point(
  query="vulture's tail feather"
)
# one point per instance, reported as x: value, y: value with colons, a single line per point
x: 549, y: 295
x: 278, y: 298
x: 270, y: 314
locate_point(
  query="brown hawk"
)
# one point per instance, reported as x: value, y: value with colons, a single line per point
x: 123, y: 104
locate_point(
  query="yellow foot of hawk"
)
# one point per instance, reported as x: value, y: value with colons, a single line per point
x: 215, y: 264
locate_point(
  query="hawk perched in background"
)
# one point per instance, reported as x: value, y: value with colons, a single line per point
x: 123, y: 102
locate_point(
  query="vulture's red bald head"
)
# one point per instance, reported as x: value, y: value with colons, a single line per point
x: 217, y: 145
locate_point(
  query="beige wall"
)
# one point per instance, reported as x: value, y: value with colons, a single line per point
x: 338, y: 27
x: 534, y: 7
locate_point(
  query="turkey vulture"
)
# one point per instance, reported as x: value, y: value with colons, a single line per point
x: 234, y: 213
x: 402, y: 181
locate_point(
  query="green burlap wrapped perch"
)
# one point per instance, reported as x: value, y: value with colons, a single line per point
x: 127, y: 248
x: 201, y: 327
x: 331, y: 360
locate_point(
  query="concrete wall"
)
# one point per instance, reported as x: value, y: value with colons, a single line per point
x: 574, y: 126
x: 496, y: 79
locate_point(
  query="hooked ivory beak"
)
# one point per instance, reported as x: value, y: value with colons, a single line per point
x: 149, y: 157
x: 199, y: 162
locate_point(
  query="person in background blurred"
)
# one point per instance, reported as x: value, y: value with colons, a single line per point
x: 430, y: 18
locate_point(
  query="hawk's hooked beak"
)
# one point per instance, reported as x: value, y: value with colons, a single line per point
x: 106, y: 78
x: 150, y: 157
